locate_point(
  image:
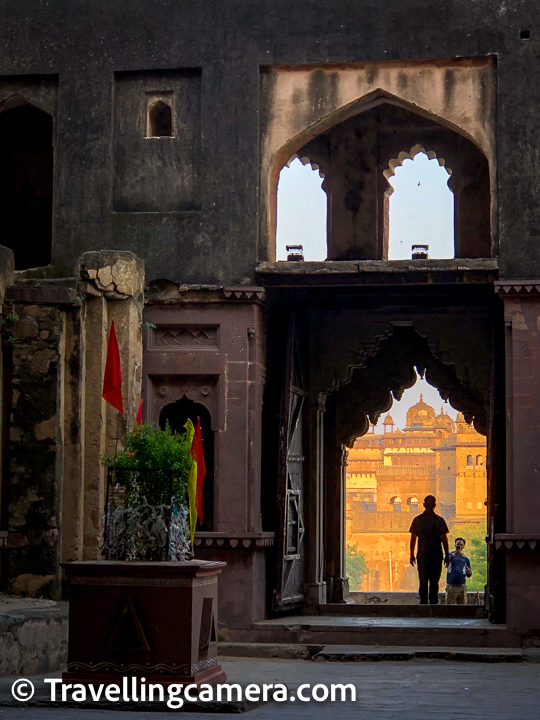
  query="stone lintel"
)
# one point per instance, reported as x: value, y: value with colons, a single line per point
x: 165, y: 292
x: 44, y: 292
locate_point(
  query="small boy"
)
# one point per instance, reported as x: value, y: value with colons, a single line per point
x: 459, y: 569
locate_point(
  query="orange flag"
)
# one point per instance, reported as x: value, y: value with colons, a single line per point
x: 112, y: 380
x: 198, y: 455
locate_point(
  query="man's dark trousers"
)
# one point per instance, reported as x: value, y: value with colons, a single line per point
x: 429, y: 574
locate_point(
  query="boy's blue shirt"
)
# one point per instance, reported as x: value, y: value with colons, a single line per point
x: 456, y: 574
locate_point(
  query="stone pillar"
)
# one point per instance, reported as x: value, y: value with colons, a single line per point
x: 521, y: 541
x: 112, y: 284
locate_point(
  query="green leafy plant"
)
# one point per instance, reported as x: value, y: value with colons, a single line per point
x: 148, y: 448
x: 146, y: 517
x: 356, y: 567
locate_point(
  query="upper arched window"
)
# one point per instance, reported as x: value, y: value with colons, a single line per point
x: 160, y: 120
x: 301, y: 212
x: 445, y: 212
x: 480, y: 460
x: 421, y: 210
x: 26, y: 184
x: 469, y: 460
x: 396, y: 503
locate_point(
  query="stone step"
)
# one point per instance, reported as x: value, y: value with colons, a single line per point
x: 350, y: 653
x: 378, y: 631
x: 366, y: 653
x: 437, y: 611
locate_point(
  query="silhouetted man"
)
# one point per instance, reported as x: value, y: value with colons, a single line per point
x: 432, y: 531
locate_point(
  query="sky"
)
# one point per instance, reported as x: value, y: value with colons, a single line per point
x: 421, y: 210
x: 410, y: 397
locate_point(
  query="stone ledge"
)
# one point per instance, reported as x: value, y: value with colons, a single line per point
x: 377, y: 272
x: 33, y: 639
x: 234, y: 540
x: 44, y: 292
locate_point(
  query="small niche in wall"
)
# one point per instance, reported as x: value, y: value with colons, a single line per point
x: 159, y: 115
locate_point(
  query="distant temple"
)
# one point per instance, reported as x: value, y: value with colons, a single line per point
x: 388, y: 476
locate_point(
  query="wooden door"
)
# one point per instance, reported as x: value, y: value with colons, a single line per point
x: 289, y: 591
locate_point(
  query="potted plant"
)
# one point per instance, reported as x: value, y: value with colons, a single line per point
x: 145, y: 610
x: 146, y: 510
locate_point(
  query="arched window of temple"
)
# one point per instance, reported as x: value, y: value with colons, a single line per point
x: 26, y: 184
x: 396, y: 503
x: 160, y: 120
x: 301, y: 212
x: 421, y: 210
x: 176, y: 415
x: 412, y: 502
x: 469, y: 459
x: 479, y: 460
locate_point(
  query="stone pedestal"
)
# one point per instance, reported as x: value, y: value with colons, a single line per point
x: 156, y: 620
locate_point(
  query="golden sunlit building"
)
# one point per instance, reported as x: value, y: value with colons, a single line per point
x: 388, y: 476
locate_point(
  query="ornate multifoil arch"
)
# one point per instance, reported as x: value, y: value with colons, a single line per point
x: 392, y: 369
x: 410, y: 155
x: 293, y: 148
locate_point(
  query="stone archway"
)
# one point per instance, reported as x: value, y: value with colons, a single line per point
x: 175, y: 415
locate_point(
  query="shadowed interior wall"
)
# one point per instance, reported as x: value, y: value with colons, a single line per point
x: 26, y: 184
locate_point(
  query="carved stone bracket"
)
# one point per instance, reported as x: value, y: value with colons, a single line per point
x: 507, y: 541
x: 517, y: 287
x: 234, y: 540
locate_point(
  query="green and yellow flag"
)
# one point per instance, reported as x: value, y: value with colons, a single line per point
x: 192, y: 484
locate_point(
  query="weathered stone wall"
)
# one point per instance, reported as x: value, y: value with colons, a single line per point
x: 36, y: 439
x: 219, y: 242
x: 55, y: 337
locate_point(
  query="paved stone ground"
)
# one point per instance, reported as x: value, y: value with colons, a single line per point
x: 385, y: 691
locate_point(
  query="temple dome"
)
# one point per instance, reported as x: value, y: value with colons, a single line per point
x: 421, y: 414
x: 388, y: 420
x: 444, y: 420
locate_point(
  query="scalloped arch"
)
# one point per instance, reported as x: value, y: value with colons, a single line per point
x: 289, y: 150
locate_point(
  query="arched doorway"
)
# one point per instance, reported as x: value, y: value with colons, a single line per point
x: 26, y: 184
x: 176, y: 415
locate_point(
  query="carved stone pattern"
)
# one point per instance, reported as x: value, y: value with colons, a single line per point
x: 203, y: 665
x: 185, y: 336
x: 146, y: 582
x: 234, y: 542
x: 519, y: 543
x: 521, y: 287
x: 242, y: 294
x: 160, y: 668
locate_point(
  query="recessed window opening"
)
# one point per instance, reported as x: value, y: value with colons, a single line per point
x: 421, y: 210
x: 160, y: 120
x: 301, y: 211
x: 26, y: 184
